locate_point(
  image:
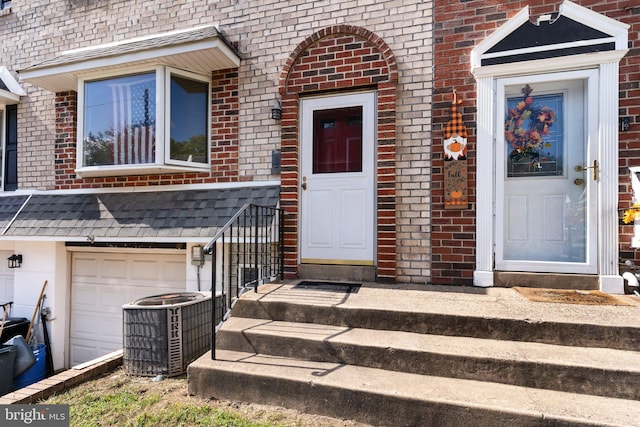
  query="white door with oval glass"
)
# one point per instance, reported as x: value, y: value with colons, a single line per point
x: 337, y: 179
x: 547, y: 174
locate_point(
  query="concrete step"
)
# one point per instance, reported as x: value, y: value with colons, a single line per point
x: 335, y: 311
x: 433, y: 356
x: 390, y: 398
x: 596, y: 371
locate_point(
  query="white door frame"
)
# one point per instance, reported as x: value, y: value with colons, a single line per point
x: 307, y: 105
x: 590, y: 92
x: 605, y: 142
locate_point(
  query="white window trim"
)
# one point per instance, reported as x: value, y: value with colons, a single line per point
x: 163, y: 164
x: 167, y: 122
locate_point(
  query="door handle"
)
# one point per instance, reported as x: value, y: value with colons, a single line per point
x: 304, y: 183
x: 594, y: 167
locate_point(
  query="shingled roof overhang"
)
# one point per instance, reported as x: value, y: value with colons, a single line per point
x: 128, y: 216
x: 201, y: 50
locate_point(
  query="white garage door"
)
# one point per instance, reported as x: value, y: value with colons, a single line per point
x: 102, y: 282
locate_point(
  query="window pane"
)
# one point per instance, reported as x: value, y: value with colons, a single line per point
x: 337, y: 140
x: 535, y: 136
x: 189, y: 120
x: 119, y: 121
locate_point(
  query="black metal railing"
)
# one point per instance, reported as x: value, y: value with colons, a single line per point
x: 247, y: 252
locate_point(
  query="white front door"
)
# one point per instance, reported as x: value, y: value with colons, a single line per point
x: 546, y: 181
x: 337, y: 179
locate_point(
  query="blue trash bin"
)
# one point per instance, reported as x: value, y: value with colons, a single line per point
x: 35, y: 373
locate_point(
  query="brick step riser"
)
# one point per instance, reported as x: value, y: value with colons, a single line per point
x: 370, y: 408
x: 567, y: 334
x: 574, y: 379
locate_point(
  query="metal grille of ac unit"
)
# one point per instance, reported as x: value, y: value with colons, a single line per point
x: 162, y: 339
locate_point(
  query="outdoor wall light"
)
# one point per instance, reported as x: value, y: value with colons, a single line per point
x: 276, y: 110
x: 15, y: 261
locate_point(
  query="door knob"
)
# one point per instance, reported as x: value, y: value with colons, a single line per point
x: 304, y: 183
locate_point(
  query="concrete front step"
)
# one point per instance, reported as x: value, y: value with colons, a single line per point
x: 391, y: 398
x: 561, y: 332
x: 596, y: 371
x: 440, y: 356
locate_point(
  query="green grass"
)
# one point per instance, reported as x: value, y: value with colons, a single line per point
x: 129, y: 405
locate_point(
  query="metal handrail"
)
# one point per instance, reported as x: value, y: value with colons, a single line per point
x: 246, y: 252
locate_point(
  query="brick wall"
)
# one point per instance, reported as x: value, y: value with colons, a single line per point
x: 266, y: 33
x: 459, y: 26
x: 339, y: 58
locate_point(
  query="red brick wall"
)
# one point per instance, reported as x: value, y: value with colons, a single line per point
x: 66, y: 113
x: 343, y: 58
x: 459, y: 26
x: 224, y: 142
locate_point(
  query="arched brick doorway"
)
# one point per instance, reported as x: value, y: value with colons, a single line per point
x: 341, y: 59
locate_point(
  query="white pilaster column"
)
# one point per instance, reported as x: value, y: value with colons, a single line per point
x: 610, y: 280
x: 483, y: 274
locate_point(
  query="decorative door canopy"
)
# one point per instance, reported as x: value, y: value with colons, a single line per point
x: 574, y: 32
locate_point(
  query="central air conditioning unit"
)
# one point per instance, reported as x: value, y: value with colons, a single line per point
x: 163, y: 334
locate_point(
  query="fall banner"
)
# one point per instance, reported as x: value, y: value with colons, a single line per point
x: 455, y: 160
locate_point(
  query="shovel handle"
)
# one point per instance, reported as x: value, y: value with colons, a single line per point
x: 36, y: 311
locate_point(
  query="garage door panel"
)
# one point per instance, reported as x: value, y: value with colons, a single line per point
x: 147, y: 270
x: 114, y: 269
x: 97, y: 295
x: 86, y: 267
x: 83, y: 295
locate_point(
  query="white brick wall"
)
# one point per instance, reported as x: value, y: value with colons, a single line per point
x: 266, y: 31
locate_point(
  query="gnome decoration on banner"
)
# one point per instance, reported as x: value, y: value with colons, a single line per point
x: 455, y: 159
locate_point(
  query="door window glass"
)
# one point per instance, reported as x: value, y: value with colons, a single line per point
x: 337, y: 140
x: 534, y: 135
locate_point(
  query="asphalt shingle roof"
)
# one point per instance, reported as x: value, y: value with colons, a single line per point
x: 130, y: 215
x: 9, y: 207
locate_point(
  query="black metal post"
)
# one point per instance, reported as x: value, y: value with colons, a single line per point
x: 213, y: 301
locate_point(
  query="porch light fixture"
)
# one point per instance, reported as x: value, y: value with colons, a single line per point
x: 15, y: 261
x: 276, y: 111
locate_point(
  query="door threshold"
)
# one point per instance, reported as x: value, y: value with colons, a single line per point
x: 353, y: 273
x: 509, y: 279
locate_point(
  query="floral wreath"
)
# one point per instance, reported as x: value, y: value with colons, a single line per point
x: 526, y: 125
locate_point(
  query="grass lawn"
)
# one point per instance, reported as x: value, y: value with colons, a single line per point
x: 122, y: 400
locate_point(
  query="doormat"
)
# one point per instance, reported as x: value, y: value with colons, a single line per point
x: 570, y: 296
x: 349, y: 288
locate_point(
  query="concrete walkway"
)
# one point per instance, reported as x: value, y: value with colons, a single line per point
x: 504, y: 303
